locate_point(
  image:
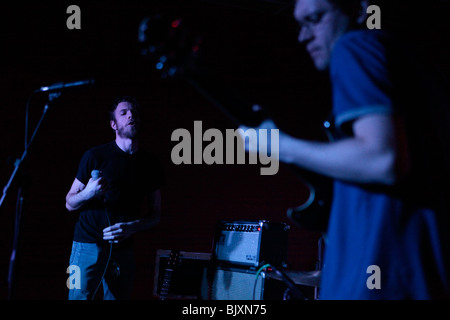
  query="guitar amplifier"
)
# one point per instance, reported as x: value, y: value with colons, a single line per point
x: 250, y: 243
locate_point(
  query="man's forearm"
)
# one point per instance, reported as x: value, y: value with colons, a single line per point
x: 76, y: 200
x: 346, y: 159
x: 377, y: 153
x: 123, y: 230
x: 145, y: 223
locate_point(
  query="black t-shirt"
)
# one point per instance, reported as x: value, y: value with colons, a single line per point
x: 130, y: 177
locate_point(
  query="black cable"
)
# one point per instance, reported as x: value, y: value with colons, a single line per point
x: 109, y: 256
x: 296, y: 293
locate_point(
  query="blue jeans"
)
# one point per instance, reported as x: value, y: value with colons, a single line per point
x: 90, y: 260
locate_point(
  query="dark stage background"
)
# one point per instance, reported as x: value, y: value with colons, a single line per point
x: 252, y: 44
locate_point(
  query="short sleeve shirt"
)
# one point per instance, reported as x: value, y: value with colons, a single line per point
x: 371, y: 228
x: 130, y: 177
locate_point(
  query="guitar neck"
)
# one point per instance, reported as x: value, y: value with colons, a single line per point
x: 165, y: 287
x: 220, y: 94
x: 166, y: 282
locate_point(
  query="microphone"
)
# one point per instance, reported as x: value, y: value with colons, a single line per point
x: 95, y: 174
x: 63, y: 85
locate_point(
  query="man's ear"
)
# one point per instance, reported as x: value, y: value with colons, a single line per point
x: 362, y: 14
x: 113, y: 125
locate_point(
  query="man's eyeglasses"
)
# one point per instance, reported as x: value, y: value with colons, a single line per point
x: 312, y: 20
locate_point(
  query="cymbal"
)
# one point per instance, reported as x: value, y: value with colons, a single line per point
x: 305, y: 278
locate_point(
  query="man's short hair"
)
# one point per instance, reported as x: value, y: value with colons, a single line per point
x: 347, y: 6
x: 129, y: 99
x: 352, y: 8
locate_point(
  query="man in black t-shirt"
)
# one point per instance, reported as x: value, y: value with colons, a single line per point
x: 113, y: 183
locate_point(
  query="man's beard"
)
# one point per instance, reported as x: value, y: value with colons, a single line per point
x: 128, y: 132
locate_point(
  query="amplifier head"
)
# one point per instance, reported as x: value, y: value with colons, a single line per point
x: 251, y: 242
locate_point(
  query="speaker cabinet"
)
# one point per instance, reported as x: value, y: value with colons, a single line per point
x: 222, y: 283
x: 236, y: 283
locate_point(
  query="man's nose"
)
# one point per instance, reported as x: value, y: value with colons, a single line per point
x: 305, y: 34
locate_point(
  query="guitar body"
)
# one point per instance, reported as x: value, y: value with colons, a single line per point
x: 314, y: 213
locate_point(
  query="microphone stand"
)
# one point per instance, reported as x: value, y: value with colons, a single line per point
x: 21, y: 198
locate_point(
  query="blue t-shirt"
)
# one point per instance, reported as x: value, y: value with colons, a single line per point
x: 378, y: 236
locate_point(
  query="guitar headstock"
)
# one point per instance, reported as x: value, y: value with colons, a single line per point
x: 169, y: 44
x: 174, y: 50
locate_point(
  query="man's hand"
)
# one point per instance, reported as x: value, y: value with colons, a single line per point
x: 274, y: 140
x: 119, y: 232
x: 95, y: 188
x: 79, y: 193
x: 254, y: 145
